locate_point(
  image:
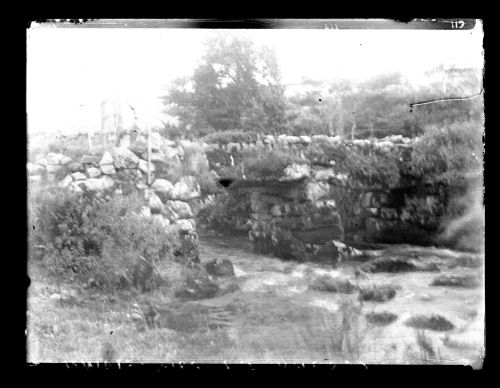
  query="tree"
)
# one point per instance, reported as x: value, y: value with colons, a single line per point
x: 236, y: 86
x: 449, y: 83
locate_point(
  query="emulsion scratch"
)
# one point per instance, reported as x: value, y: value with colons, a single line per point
x: 447, y: 99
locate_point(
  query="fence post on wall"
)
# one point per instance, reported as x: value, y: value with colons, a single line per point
x: 149, y: 154
x: 89, y: 137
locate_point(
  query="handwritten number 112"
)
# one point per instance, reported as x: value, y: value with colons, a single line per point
x: 458, y: 24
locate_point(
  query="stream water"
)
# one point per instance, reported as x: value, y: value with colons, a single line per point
x: 281, y: 319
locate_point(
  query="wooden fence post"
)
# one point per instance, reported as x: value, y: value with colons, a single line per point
x: 90, y: 141
x: 149, y: 154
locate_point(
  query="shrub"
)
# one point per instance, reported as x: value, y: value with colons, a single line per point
x: 452, y: 155
x: 172, y: 132
x: 371, y: 166
x: 225, y: 210
x: 448, y: 153
x: 99, y: 243
x: 268, y: 164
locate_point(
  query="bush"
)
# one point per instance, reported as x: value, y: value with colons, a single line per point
x: 99, y: 243
x: 224, y: 211
x: 448, y: 153
x: 371, y: 166
x: 172, y: 132
x: 268, y: 164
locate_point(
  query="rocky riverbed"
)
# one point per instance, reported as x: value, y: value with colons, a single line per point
x: 402, y: 304
x: 406, y: 304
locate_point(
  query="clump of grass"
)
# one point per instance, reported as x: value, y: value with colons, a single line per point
x: 350, y: 337
x: 427, y: 351
x: 377, y: 293
x: 382, y: 318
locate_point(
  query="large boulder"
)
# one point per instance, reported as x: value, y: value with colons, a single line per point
x: 196, y: 287
x: 93, y: 172
x: 156, y: 141
x: 65, y: 160
x: 170, y: 152
x: 53, y: 168
x: 160, y: 220
x: 54, y: 158
x: 65, y: 182
x: 220, y: 267
x: 305, y: 139
x: 94, y: 184
x: 140, y: 147
x: 315, y: 191
x: 186, y: 226
x: 106, y: 159
x: 169, y: 214
x: 143, y: 166
x: 336, y: 251
x: 293, y: 139
x: 74, y: 167
x: 296, y: 171
x: 180, y: 208
x: 108, y: 169
x: 163, y: 188
x: 78, y: 176
x: 124, y: 158
x: 186, y: 188
x: 154, y: 202
x: 325, y: 174
x: 328, y: 283
x: 100, y: 184
x: 90, y: 159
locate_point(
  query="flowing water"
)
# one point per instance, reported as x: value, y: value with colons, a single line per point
x: 276, y: 317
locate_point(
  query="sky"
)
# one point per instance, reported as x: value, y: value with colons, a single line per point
x: 71, y: 71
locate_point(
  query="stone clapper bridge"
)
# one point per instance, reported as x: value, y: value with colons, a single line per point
x: 311, y: 213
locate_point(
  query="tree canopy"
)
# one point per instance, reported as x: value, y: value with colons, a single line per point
x: 236, y: 86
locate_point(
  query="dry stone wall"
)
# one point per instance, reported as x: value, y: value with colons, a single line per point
x: 315, y: 207
x: 306, y: 214
x: 121, y: 171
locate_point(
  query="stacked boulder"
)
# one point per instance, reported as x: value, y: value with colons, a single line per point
x: 172, y: 202
x: 306, y: 214
x: 48, y: 167
x: 399, y: 215
x: 123, y: 170
x: 294, y: 217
